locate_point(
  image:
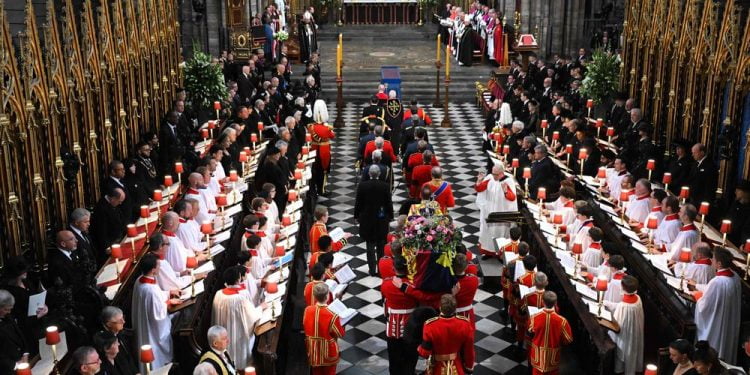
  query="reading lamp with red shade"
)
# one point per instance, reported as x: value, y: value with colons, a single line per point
x: 557, y: 219
x: 601, y: 287
x: 652, y: 222
x: 610, y: 134
x: 541, y: 194
x: 132, y: 230
x: 191, y: 263
x: 253, y: 139
x: 666, y: 179
x: 583, y: 154
x: 305, y: 150
x: 602, y: 173
x: 684, y: 193
x: 207, y: 227
x: 52, y: 338
x: 292, y: 196
x: 116, y: 252
x: 286, y: 220
x: 514, y: 163
x: 249, y: 370
x: 204, y: 134
x: 145, y: 212
x: 577, y: 250
x: 506, y: 149
x: 243, y: 157
x: 23, y: 369
x: 555, y: 136
x: 221, y: 200
x: 703, y: 210
x: 147, y: 356
x: 726, y: 228
x: 589, y: 106
x: 544, y: 126
x: 211, y: 126
x: 624, y: 196
x: 685, y: 256
x: 650, y: 166
x: 168, y: 180
x: 568, y: 151
x: 280, y: 251
x: 300, y: 165
x: 308, y: 138
x: 272, y: 287
x: 650, y: 369
x: 157, y: 195
x: 526, y: 176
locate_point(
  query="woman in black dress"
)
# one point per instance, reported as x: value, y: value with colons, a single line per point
x: 107, y: 345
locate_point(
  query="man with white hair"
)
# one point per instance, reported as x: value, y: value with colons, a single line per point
x: 441, y: 190
x: 113, y: 321
x: 177, y: 253
x: 465, y: 37
x: 381, y: 95
x: 195, y: 185
x: 13, y: 346
x: 80, y: 221
x: 495, y: 193
x: 321, y: 133
x: 216, y: 355
x: 308, y: 37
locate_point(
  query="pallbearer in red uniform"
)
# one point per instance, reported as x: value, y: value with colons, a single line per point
x: 508, y: 276
x: 527, y: 280
x: 441, y: 190
x: 448, y: 341
x: 467, y: 288
x: 322, y: 330
x: 398, y: 307
x: 548, y: 332
x: 319, y: 229
x: 316, y: 274
x: 321, y: 133
x: 534, y: 299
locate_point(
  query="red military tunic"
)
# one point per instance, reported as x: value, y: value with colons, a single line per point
x: 445, y: 199
x: 449, y: 343
x: 398, y: 307
x: 420, y: 175
x: 533, y: 299
x: 548, y: 332
x: 421, y: 114
x: 385, y: 267
x: 322, y: 330
x: 465, y: 296
x: 416, y: 160
x: 309, y: 299
x: 387, y: 150
x: 321, y: 141
x: 319, y: 230
x: 526, y: 279
x: 506, y: 280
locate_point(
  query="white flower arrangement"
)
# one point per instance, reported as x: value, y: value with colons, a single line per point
x: 282, y: 36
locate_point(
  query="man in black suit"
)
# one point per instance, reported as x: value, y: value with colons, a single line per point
x: 704, y: 176
x: 13, y: 344
x: 145, y: 169
x: 377, y: 162
x: 373, y: 209
x: 645, y: 150
x: 542, y: 172
x: 108, y: 224
x: 171, y: 144
x: 630, y: 135
x: 617, y: 113
x: 113, y: 320
x: 216, y: 355
x: 116, y: 180
x: 245, y: 85
x: 61, y: 261
x: 80, y: 220
x: 680, y: 166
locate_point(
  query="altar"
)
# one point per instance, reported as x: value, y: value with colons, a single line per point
x: 369, y: 12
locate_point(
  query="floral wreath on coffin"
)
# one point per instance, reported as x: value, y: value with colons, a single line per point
x: 436, y: 234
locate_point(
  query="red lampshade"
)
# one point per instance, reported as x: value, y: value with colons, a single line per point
x: 506, y: 149
x: 178, y: 167
x: 685, y: 192
x: 292, y: 196
x: 144, y: 212
x: 253, y: 137
x: 286, y: 220
x: 527, y: 173
x: 667, y: 179
x: 211, y: 124
x: 583, y: 154
x: 652, y: 222
x: 651, y: 164
x: 132, y: 230
x: 624, y: 196
x: 247, y: 150
x: 272, y: 287
x: 243, y: 156
x: 297, y: 175
x: 147, y: 354
x: 590, y: 103
x: 250, y: 370
x: 260, y: 126
x: 23, y: 369
x: 557, y: 219
x: 217, y: 106
x: 599, y: 123
x: 204, y: 133
x: 157, y: 196
x: 300, y: 165
x: 602, y: 173
x: 601, y: 283
x: 308, y: 138
x: 545, y: 125
x: 563, y: 229
x: 650, y: 370
x: 541, y: 194
x: 610, y: 132
x: 555, y: 136
x: 568, y: 149
x: 221, y: 200
x: 514, y: 163
x: 577, y: 248
x: 168, y: 180
x: 705, y: 206
x: 52, y: 335
x: 280, y: 251
x: 305, y: 150
x: 207, y: 227
x: 191, y: 262
x: 233, y: 176
x: 685, y: 255
x: 116, y: 251
x: 726, y: 226
x: 747, y: 245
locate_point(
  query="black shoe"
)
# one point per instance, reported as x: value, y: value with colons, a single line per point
x: 373, y: 273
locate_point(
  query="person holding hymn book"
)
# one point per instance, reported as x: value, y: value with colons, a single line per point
x: 617, y: 272
x: 604, y: 269
x: 592, y: 256
x: 688, y: 234
x: 564, y: 205
x: 153, y: 325
x: 326, y: 259
x: 637, y: 208
x: 628, y: 313
x: 177, y: 253
x: 189, y: 230
x: 233, y: 310
x: 527, y: 280
x: 259, y: 267
x: 700, y: 271
x: 324, y: 246
x: 322, y: 330
x: 316, y: 277
x: 167, y: 278
x: 717, y: 312
x: 657, y: 196
x: 319, y: 229
x: 251, y: 282
x: 217, y: 355
x: 669, y: 227
x: 195, y: 186
x: 530, y: 305
x: 513, y: 267
x: 548, y: 332
x: 681, y: 353
x: 579, y: 231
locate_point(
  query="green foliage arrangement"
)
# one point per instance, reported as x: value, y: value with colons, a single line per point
x: 204, y: 81
x: 602, y: 77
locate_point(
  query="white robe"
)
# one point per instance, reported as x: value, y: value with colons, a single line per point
x: 701, y: 273
x: 237, y: 314
x: 581, y: 235
x: 637, y: 209
x: 219, y: 173
x: 592, y: 257
x: 152, y: 322
x: 667, y: 230
x: 685, y: 238
x: 717, y: 315
x: 214, y: 186
x: 203, y: 214
x: 210, y: 198
x: 657, y: 214
x: 177, y: 254
x: 169, y: 279
x: 251, y: 287
x: 614, y: 183
x: 629, y: 341
x: 568, y: 214
x: 190, y: 234
x: 614, y: 288
x: 493, y: 200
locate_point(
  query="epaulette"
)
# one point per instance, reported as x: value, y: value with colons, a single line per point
x: 462, y: 318
x: 431, y: 320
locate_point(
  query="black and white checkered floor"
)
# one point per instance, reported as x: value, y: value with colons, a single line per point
x: 363, y: 349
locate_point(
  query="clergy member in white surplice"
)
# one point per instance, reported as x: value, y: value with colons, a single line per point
x: 566, y: 206
x: 177, y: 253
x: 195, y: 184
x: 233, y: 310
x: 189, y: 230
x: 592, y: 256
x: 580, y: 232
x: 700, y: 271
x: 688, y: 234
x: 495, y: 193
x: 167, y: 278
x: 628, y: 313
x: 717, y: 313
x: 638, y: 207
x: 614, y: 180
x: 617, y: 273
x: 669, y: 227
x: 150, y: 317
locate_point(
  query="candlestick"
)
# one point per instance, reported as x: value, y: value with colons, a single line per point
x: 610, y: 134
x: 438, y: 48
x: 685, y: 256
x: 52, y: 338
x: 447, y: 64
x: 726, y: 227
x: 666, y: 180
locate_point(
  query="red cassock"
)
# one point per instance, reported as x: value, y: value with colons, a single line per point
x: 420, y: 175
x: 500, y: 45
x: 421, y: 114
x: 449, y: 341
x: 533, y: 299
x: 548, y: 332
x: 398, y: 307
x: 319, y: 230
x: 415, y: 160
x: 322, y: 330
x: 385, y: 267
x: 445, y: 199
x: 387, y: 150
x: 465, y: 296
x: 309, y: 299
x: 321, y: 142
